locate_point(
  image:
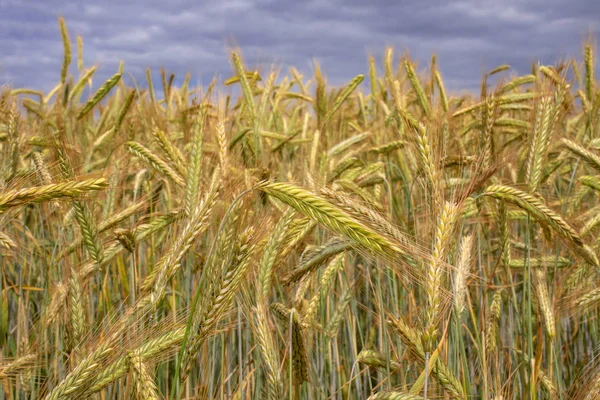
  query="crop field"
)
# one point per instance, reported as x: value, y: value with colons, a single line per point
x: 379, y: 240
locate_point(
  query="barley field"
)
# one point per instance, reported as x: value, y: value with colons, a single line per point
x: 380, y: 240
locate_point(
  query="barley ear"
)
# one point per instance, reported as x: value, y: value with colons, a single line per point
x: 64, y: 33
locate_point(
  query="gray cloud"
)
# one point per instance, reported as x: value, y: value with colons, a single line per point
x: 186, y: 36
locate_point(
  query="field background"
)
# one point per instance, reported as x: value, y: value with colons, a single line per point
x: 380, y: 239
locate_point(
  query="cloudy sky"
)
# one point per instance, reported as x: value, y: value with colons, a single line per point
x: 193, y: 36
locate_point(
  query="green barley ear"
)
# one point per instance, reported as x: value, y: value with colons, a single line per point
x: 64, y: 33
x: 246, y: 89
x: 369, y: 217
x: 270, y: 253
x: 586, y: 105
x: 320, y: 99
x: 546, y: 120
x: 40, y: 95
x: 375, y: 359
x: 7, y: 245
x: 184, y: 88
x: 545, y: 301
x: 77, y: 317
x: 336, y: 319
x: 319, y: 255
x: 192, y: 184
x: 491, y: 330
x: 435, y: 272
x: 99, y: 95
x: 158, y: 164
x: 344, y: 145
x: 462, y: 271
x: 222, y: 142
x: 589, y: 73
x: 388, y: 66
x: 298, y: 230
x: 330, y: 216
x: 150, y: 86
x: 163, y: 77
x: 576, y: 72
x: 418, y: 89
x: 12, y: 368
x: 507, y: 99
x: 489, y: 115
x: 515, y: 83
x: 13, y: 133
x: 111, y: 191
x: 79, y: 53
x: 172, y: 153
x: 82, y: 213
x: 266, y: 341
x: 344, y: 94
x: 412, y: 340
x: 89, y: 232
x: 373, y: 81
x: 425, y: 153
x: 499, y: 69
x: 392, y: 395
x: 542, y: 262
x: 143, y: 381
x: 551, y: 73
x: 268, y: 352
x: 83, y: 80
x: 250, y: 106
x: 38, y: 194
x: 124, y: 110
x: 590, y: 157
x: 430, y: 88
x: 590, y: 181
x: 503, y: 233
x: 156, y: 283
x: 440, y: 84
x: 144, y: 354
x: 4, y: 306
x: 267, y: 91
x: 539, y: 143
x: 544, y: 215
x: 332, y: 269
x: 218, y: 301
x: 75, y: 382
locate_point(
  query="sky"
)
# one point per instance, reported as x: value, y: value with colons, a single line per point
x: 183, y: 36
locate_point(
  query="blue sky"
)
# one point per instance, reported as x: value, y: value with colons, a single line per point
x: 193, y: 36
